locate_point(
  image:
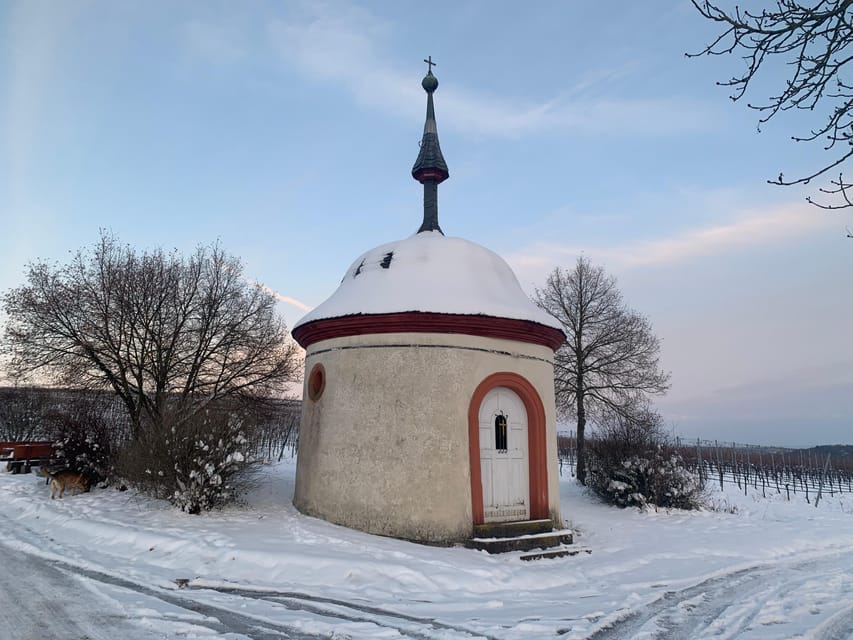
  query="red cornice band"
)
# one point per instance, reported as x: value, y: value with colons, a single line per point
x: 426, y: 322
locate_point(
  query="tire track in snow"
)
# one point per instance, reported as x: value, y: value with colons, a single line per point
x: 409, y: 626
x: 219, y: 618
x: 838, y: 627
x: 727, y: 606
x: 222, y: 620
x: 330, y: 609
x: 40, y: 600
x: 226, y: 617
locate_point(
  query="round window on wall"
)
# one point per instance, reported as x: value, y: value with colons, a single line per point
x: 316, y: 382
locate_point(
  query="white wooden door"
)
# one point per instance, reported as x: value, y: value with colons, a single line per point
x: 503, y: 457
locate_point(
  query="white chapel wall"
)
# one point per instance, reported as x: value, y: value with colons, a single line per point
x: 385, y: 447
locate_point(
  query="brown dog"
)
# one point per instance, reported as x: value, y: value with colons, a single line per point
x: 62, y: 480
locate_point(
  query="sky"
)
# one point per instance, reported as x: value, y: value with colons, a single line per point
x: 287, y: 131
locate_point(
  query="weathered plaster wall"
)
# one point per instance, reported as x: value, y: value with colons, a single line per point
x: 385, y: 448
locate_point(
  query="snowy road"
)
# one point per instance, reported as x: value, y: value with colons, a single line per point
x: 108, y: 564
x: 748, y: 604
x: 47, y: 599
x: 41, y: 600
x: 50, y: 600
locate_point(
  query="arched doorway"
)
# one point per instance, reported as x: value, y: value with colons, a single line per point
x: 506, y: 396
x: 503, y: 456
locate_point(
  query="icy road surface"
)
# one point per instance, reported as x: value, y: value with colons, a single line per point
x: 108, y: 565
x: 750, y: 603
x: 41, y: 600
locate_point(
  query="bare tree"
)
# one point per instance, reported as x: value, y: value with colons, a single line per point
x: 169, y: 335
x: 814, y: 42
x: 609, y: 362
x: 22, y: 414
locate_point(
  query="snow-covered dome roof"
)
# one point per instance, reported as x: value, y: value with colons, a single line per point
x: 429, y: 282
x: 429, y: 272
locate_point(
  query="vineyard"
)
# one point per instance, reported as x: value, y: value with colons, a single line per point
x: 806, y: 474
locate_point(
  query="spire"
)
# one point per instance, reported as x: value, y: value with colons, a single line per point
x: 430, y: 169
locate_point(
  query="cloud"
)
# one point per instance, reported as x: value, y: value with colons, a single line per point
x: 296, y: 303
x: 754, y: 227
x: 291, y: 301
x: 801, y: 407
x: 343, y: 45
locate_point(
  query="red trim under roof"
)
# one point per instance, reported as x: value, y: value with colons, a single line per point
x: 427, y: 322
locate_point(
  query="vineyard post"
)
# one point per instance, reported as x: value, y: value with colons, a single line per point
x: 699, y: 460
x: 719, y: 463
x: 792, y: 473
x: 828, y: 477
x: 572, y: 449
x: 735, y: 469
x: 775, y: 474
x: 754, y: 470
x: 820, y: 486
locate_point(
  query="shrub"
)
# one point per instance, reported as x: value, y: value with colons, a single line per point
x: 84, y: 435
x: 197, y: 464
x: 632, y: 463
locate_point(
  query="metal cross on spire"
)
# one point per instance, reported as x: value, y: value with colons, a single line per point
x: 430, y: 168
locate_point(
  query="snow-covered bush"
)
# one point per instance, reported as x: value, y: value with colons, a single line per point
x: 658, y: 478
x: 631, y: 463
x: 205, y: 474
x: 197, y: 464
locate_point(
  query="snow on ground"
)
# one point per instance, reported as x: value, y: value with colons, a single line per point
x: 753, y: 568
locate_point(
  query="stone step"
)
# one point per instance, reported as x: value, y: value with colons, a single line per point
x: 510, y: 529
x: 524, y: 542
x: 562, y: 552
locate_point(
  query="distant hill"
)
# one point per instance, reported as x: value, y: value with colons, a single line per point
x: 834, y: 450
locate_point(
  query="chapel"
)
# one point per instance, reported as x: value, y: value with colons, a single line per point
x: 428, y: 404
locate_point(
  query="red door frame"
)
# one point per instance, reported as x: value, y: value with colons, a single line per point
x: 536, y: 450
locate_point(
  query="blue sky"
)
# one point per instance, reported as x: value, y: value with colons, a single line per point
x: 287, y: 130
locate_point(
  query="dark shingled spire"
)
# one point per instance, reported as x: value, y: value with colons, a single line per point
x: 430, y: 168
